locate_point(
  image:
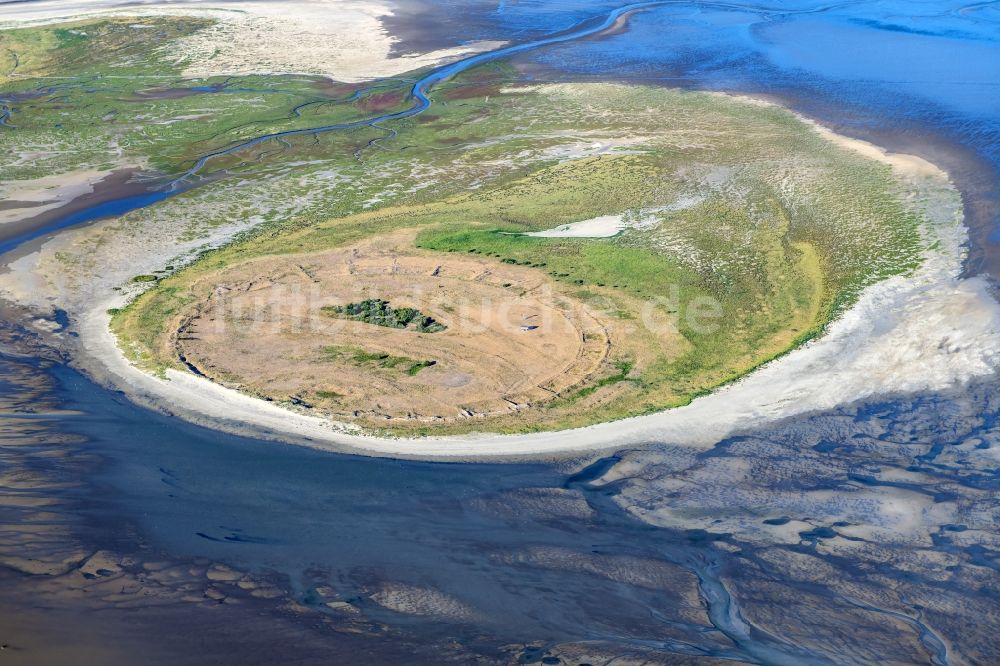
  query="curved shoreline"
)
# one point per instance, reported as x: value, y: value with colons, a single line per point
x: 927, y: 331
x: 958, y: 340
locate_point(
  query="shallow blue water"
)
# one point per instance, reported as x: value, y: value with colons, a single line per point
x: 903, y: 59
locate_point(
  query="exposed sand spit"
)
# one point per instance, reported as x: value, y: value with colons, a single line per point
x: 910, y: 166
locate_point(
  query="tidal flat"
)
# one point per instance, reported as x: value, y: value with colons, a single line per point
x: 861, y: 532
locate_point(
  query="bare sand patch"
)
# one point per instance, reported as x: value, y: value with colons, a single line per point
x: 345, y: 41
x: 598, y: 227
x: 607, y: 226
x: 511, y: 340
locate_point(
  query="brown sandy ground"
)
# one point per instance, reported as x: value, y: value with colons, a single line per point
x: 515, y: 338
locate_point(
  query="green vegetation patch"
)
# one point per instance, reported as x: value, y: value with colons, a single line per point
x: 624, y: 370
x: 379, y: 313
x: 359, y: 356
x: 82, y: 86
x: 579, y: 261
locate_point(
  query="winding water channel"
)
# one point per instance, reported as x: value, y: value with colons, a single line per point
x: 421, y: 102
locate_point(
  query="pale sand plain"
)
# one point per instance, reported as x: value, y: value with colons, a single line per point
x: 340, y: 39
x: 511, y: 340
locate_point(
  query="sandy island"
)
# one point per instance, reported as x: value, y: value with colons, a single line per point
x: 923, y: 332
x: 927, y: 331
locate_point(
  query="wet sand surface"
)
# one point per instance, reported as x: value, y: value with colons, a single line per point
x: 29, y: 232
x: 12, y: 204
x: 178, y: 544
